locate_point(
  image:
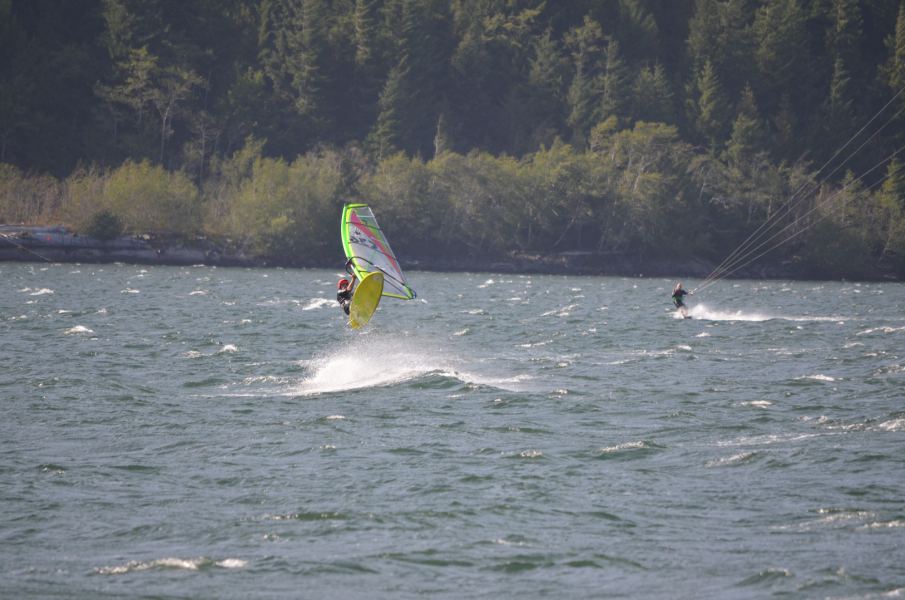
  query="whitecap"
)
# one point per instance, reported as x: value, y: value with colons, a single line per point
x: 263, y: 379
x: 885, y: 524
x: 198, y: 293
x: 892, y: 425
x: 758, y: 403
x: 78, y: 329
x: 231, y: 563
x: 187, y: 564
x: 731, y: 460
x: 335, y: 418
x: 818, y: 377
x: 881, y: 330
x: 41, y: 292
x: 315, y: 303
x: 531, y: 454
x: 129, y: 291
x: 624, y: 446
x: 770, y: 438
x: 228, y: 349
x: 561, y: 312
x: 535, y: 344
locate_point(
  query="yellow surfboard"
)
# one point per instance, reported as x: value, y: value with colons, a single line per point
x: 365, y: 299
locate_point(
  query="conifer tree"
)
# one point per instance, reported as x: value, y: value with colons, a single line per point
x: 653, y: 98
x: 785, y: 126
x: 895, y: 65
x: 891, y: 198
x: 388, y: 134
x: 712, y: 107
x: 720, y: 34
x: 779, y: 28
x: 747, y: 132
x: 365, y: 85
x: 544, y: 90
x: 839, y: 103
x: 615, y: 90
x: 585, y: 43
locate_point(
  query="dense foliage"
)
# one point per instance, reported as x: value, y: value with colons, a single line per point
x: 475, y: 127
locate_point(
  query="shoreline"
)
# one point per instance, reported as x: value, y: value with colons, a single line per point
x: 58, y: 245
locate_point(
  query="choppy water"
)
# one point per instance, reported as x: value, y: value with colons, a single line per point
x: 219, y: 433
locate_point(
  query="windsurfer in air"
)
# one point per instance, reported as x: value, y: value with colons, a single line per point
x: 344, y: 290
x: 678, y: 295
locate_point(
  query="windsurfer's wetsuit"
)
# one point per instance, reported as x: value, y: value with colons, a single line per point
x: 344, y: 298
x: 677, y: 297
x: 344, y: 294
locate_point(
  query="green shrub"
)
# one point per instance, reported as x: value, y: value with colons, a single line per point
x: 105, y: 226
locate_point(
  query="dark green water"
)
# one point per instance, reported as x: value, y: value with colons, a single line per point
x: 218, y: 433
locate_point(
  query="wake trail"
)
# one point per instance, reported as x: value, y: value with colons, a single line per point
x: 705, y: 313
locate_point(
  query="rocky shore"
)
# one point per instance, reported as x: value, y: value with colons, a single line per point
x: 57, y: 244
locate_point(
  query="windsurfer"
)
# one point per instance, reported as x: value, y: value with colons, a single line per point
x: 678, y: 294
x: 344, y: 290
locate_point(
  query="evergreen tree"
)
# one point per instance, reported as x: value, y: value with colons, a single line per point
x: 615, y: 90
x: 891, y: 199
x: 779, y: 28
x: 653, y: 96
x: 720, y: 34
x: 293, y: 51
x: 545, y: 92
x: 747, y: 133
x: 586, y: 46
x: 366, y: 75
x: 895, y: 65
x: 848, y: 28
x: 712, y: 109
x: 839, y: 103
x: 785, y: 143
x: 389, y: 131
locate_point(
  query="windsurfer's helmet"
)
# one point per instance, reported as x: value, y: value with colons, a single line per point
x: 343, y: 283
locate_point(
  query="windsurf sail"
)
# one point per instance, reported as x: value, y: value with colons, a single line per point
x: 368, y: 249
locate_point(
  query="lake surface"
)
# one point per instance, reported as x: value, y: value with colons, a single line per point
x: 221, y: 433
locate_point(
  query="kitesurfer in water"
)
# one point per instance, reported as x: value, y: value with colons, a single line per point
x: 344, y: 291
x: 678, y: 295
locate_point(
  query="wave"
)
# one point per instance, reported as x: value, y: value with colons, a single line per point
x: 316, y: 303
x: 78, y: 329
x: 884, y: 329
x: 735, y: 459
x: 373, y: 360
x: 187, y: 564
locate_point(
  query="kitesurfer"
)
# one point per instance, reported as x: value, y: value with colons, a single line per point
x: 678, y: 294
x: 344, y: 291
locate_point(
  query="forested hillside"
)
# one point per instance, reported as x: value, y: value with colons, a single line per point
x: 477, y: 128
